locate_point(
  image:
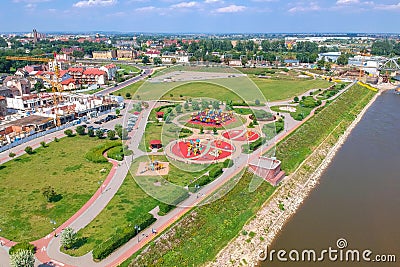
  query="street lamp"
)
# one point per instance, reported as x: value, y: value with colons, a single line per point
x: 54, y: 228
x: 137, y: 228
x: 101, y: 187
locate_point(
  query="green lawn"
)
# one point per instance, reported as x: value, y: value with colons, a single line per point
x: 202, y: 233
x: 25, y: 213
x: 275, y: 90
x: 129, y: 89
x: 128, y: 68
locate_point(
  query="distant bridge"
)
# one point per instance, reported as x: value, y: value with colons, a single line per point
x: 391, y: 64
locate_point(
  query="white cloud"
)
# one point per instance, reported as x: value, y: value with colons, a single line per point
x: 347, y: 2
x: 212, y: 1
x: 30, y: 1
x: 89, y: 3
x: 231, y: 9
x: 388, y: 7
x: 312, y: 6
x: 185, y: 5
x: 145, y: 9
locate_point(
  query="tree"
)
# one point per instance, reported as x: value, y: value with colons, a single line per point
x: 173, y: 61
x: 321, y: 63
x: 257, y: 102
x: 78, y: 54
x: 38, y: 86
x: 178, y: 109
x: 296, y: 99
x: 11, y: 155
x: 128, y: 95
x: 244, y: 61
x: 215, y: 105
x: 124, y: 134
x: 68, y: 238
x: 215, y: 131
x: 186, y: 106
x: 22, y: 258
x: 145, y: 60
x: 195, y: 105
x: 69, y: 133
x: 43, y: 144
x: 201, y: 130
x: 111, y: 134
x: 50, y: 194
x: 80, y: 130
x: 91, y: 132
x: 29, y: 150
x: 343, y: 59
x: 328, y: 66
x: 157, y: 61
x: 99, y: 133
x: 117, y: 111
x: 118, y: 130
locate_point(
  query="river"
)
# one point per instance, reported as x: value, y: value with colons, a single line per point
x: 358, y: 197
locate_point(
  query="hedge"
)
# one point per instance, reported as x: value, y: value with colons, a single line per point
x: 228, y: 163
x: 215, y: 171
x: 96, y: 154
x: 102, y: 250
x: 22, y: 246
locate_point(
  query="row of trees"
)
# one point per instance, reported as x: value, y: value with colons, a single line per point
x: 385, y: 48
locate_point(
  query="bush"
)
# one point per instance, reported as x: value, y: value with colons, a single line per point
x: 228, y: 163
x: 11, y: 155
x: 257, y: 102
x: 215, y: 171
x: 91, y: 133
x: 69, y: 133
x: 128, y: 95
x: 56, y: 140
x: 96, y: 154
x: 102, y: 250
x: 116, y: 153
x: 22, y: 246
x: 29, y: 150
x: 296, y: 99
x: 80, y: 130
x: 165, y: 208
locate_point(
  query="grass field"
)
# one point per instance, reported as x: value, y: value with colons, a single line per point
x: 275, y: 90
x: 297, y: 146
x: 129, y: 89
x: 131, y: 202
x: 200, y: 235
x: 128, y: 68
x: 25, y: 213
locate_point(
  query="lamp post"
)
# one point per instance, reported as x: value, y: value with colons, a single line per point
x: 137, y: 228
x: 54, y: 228
x: 100, y: 184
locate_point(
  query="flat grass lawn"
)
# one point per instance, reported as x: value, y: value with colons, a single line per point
x: 275, y: 90
x: 25, y: 213
x: 201, y: 89
x: 203, y: 232
x: 129, y: 89
x: 128, y: 68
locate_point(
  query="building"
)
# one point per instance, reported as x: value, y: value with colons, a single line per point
x: 329, y: 56
x: 3, y: 106
x: 155, y: 144
x: 18, y: 85
x: 76, y: 73
x: 292, y: 62
x: 111, y: 70
x: 267, y: 168
x: 104, y: 54
x: 126, y: 54
x: 70, y: 84
x: 70, y: 50
x: 152, y: 54
x: 94, y: 76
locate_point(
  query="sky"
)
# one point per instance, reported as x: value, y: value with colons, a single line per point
x: 201, y: 16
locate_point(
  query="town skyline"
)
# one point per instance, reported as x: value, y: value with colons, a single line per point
x: 206, y: 16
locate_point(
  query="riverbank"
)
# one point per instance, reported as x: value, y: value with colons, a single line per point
x: 286, y: 200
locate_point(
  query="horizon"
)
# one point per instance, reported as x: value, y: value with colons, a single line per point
x: 199, y: 16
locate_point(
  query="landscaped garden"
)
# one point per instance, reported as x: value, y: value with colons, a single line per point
x: 51, y: 184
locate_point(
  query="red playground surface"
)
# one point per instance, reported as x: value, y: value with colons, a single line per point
x: 202, y: 150
x: 241, y: 135
x: 212, y: 118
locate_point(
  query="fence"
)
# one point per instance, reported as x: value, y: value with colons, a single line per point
x: 34, y: 136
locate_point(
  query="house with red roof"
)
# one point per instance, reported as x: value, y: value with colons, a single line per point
x: 70, y: 84
x: 111, y: 70
x: 152, y: 53
x: 94, y: 76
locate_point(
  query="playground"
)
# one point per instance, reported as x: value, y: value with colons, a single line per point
x: 153, y: 168
x: 201, y: 150
x: 241, y: 135
x: 212, y: 118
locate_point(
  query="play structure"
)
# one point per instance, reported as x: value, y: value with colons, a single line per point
x: 153, y: 168
x: 212, y: 117
x: 241, y: 135
x: 201, y: 150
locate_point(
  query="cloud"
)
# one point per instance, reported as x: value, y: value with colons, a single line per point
x: 30, y: 1
x: 312, y: 6
x: 388, y: 7
x: 213, y: 1
x: 145, y: 9
x: 231, y: 9
x: 185, y: 5
x: 347, y: 2
x: 90, y: 3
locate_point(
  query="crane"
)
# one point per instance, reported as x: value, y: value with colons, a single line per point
x: 56, y: 86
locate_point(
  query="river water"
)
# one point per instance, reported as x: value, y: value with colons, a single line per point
x: 358, y: 197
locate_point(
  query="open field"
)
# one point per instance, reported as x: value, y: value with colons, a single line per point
x: 25, y: 213
x: 128, y: 68
x: 129, y: 89
x: 200, y: 234
x: 297, y: 146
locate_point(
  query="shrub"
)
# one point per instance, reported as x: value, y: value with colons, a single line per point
x: 296, y: 99
x: 69, y: 133
x: 22, y: 246
x: 29, y: 150
x: 128, y: 95
x: 257, y: 102
x: 56, y: 140
x: 228, y: 163
x: 215, y: 171
x: 96, y: 154
x: 99, y: 133
x: 116, y: 153
x: 102, y: 250
x: 23, y: 258
x: 80, y: 130
x: 111, y: 134
x: 165, y: 208
x: 50, y: 194
x: 11, y: 155
x: 91, y: 133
